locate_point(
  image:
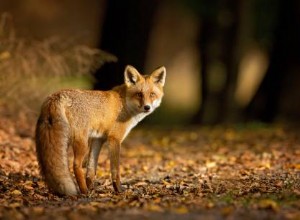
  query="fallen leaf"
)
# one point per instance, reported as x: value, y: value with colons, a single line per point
x: 228, y: 210
x: 181, y: 210
x: 16, y: 192
x: 268, y: 204
x: 153, y: 208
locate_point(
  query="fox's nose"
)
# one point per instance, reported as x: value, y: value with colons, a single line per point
x: 147, y: 107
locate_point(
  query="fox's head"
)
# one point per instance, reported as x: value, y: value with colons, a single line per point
x: 144, y: 92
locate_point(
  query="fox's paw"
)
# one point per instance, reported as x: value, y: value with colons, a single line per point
x: 118, y: 187
x: 89, y: 183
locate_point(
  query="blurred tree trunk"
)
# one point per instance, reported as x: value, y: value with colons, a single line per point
x: 204, y: 41
x: 285, y: 55
x: 228, y: 111
x: 218, y: 44
x: 125, y: 34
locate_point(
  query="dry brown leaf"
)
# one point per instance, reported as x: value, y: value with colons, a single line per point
x: 268, y: 204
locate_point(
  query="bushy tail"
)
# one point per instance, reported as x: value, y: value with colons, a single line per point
x: 52, y: 134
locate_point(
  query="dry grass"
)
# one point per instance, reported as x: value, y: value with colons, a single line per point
x: 29, y: 69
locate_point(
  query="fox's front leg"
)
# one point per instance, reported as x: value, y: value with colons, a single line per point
x: 114, y: 150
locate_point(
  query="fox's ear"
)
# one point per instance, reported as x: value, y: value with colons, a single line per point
x: 131, y: 76
x: 159, y: 75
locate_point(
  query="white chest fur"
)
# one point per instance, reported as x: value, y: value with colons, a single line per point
x: 133, y: 122
x: 95, y: 134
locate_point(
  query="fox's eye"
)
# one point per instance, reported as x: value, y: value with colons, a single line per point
x: 139, y: 95
x: 152, y: 94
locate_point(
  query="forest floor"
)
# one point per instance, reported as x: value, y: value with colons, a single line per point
x: 240, y: 172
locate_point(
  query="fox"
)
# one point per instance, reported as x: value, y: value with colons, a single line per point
x: 86, y: 121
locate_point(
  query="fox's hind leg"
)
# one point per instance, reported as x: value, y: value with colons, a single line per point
x: 95, y: 145
x: 80, y: 147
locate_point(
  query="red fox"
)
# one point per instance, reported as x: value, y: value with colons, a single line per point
x: 88, y: 120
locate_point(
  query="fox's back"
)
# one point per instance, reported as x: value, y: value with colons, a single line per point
x: 85, y: 109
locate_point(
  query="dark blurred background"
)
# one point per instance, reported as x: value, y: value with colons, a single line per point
x: 228, y: 61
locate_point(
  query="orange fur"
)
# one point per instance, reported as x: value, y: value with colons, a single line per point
x: 86, y: 120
